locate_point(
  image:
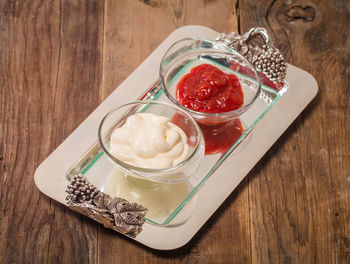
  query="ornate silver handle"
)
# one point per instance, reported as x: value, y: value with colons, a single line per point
x: 115, y: 213
x: 257, y: 48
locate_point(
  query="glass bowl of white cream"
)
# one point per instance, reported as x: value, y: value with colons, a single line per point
x: 152, y: 140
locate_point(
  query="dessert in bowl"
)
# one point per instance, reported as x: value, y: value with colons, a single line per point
x: 209, y: 80
x: 152, y: 140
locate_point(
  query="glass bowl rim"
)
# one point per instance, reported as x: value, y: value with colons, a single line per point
x: 225, y: 50
x: 136, y: 169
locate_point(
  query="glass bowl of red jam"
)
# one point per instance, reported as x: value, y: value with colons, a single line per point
x: 152, y: 140
x: 212, y: 82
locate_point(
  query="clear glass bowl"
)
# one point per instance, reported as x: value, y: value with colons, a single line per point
x: 180, y: 172
x: 188, y: 53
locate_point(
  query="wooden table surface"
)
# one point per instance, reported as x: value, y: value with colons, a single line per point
x: 60, y: 59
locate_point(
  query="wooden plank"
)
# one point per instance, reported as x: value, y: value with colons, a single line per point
x: 299, y: 198
x: 25, y: 214
x: 132, y: 30
x: 51, y: 69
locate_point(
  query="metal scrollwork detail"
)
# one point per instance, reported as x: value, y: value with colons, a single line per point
x: 115, y: 213
x: 262, y: 53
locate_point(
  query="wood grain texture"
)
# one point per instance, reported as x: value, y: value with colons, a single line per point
x: 51, y: 64
x: 299, y: 201
x: 60, y: 59
x: 133, y: 29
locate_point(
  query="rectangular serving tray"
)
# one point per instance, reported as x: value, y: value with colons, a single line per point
x: 80, y: 153
x: 95, y: 165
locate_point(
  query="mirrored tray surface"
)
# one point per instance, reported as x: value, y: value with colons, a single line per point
x: 165, y: 201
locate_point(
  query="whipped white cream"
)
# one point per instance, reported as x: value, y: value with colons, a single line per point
x: 149, y: 141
